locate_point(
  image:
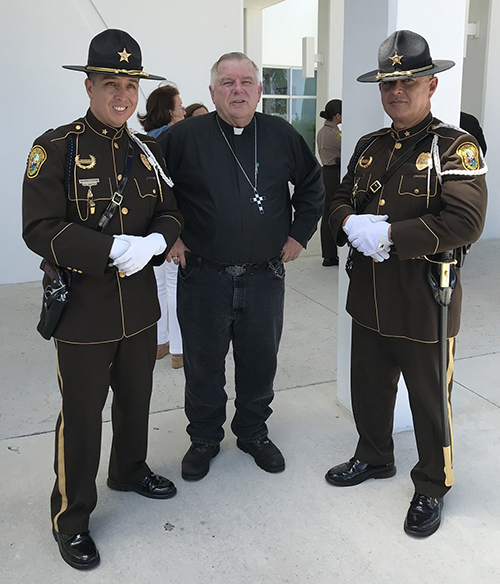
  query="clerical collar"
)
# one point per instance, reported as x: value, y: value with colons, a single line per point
x: 103, y: 129
x: 238, y: 131
x: 410, y: 132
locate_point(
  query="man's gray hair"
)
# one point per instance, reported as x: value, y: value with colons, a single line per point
x: 234, y: 56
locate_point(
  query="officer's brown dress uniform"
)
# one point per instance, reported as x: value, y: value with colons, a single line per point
x: 395, y: 316
x: 107, y: 332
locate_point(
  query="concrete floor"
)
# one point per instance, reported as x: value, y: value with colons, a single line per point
x: 241, y: 525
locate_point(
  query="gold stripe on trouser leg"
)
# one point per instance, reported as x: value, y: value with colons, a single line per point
x: 448, y: 452
x: 61, y: 467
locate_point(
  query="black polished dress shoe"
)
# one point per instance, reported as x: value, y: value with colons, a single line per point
x: 77, y: 550
x: 196, y: 462
x: 153, y: 486
x: 355, y: 472
x: 265, y: 453
x: 327, y: 262
x: 424, y: 516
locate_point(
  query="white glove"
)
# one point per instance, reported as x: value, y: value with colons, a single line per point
x: 357, y: 222
x: 118, y: 248
x: 373, y: 240
x: 141, y: 250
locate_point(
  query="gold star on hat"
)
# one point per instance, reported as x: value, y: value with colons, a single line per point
x: 124, y: 55
x: 396, y: 59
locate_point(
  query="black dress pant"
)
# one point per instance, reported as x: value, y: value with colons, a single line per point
x: 85, y: 373
x: 376, y: 365
x: 331, y: 180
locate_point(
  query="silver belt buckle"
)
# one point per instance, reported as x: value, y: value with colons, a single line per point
x: 235, y: 270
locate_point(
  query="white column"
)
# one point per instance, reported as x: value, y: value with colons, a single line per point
x: 330, y: 47
x: 367, y: 23
x: 253, y: 35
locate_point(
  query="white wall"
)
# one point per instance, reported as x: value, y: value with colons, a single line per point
x: 180, y: 40
x: 283, y: 27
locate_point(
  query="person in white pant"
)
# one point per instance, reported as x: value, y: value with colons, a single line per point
x: 163, y: 109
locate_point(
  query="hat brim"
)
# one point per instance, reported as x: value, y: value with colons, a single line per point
x: 117, y: 72
x: 438, y: 67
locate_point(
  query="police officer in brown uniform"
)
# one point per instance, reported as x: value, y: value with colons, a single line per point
x: 106, y: 335
x: 432, y: 201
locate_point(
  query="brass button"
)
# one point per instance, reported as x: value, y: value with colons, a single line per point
x: 78, y: 128
x: 119, y: 177
x: 416, y: 191
x: 154, y: 191
x: 382, y: 202
x: 397, y: 145
x: 110, y: 265
x: 122, y: 274
x: 124, y: 210
x: 116, y: 145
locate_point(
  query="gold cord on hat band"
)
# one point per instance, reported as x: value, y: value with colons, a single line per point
x: 399, y: 73
x: 118, y: 71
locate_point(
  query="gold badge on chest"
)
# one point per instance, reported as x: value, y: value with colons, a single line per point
x: 146, y: 162
x: 423, y: 160
x: 365, y: 162
x: 85, y: 163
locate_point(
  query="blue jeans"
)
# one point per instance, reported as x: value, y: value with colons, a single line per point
x: 218, y: 304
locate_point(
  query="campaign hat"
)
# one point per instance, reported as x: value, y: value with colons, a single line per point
x: 114, y: 52
x: 404, y: 55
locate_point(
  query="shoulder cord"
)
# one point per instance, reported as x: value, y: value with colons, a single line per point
x: 151, y: 159
x: 357, y: 155
x: 70, y: 161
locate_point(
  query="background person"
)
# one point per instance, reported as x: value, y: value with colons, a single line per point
x: 106, y: 334
x: 196, y: 109
x: 163, y: 109
x: 329, y: 142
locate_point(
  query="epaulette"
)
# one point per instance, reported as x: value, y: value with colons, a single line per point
x: 60, y: 133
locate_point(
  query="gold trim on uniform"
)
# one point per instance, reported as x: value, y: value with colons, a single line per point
x: 85, y: 163
x: 146, y: 162
x: 365, y: 162
x: 423, y: 160
x: 469, y: 155
x: 35, y: 160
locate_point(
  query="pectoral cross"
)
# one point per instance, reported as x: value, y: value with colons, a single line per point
x: 258, y: 200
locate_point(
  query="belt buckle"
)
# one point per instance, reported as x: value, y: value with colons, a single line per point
x: 235, y: 270
x: 117, y: 198
x: 375, y: 186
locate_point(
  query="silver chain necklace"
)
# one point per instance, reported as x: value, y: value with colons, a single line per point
x: 256, y: 198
